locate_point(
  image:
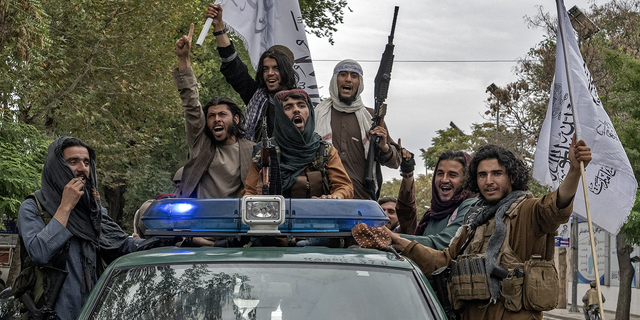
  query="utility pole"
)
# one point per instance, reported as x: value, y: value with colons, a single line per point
x: 574, y: 266
x: 492, y: 88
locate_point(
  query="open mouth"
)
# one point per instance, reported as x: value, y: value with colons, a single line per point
x: 445, y: 191
x: 218, y: 129
x: 297, y: 120
x: 346, y: 89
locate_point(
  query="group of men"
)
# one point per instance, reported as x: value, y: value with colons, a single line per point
x: 481, y: 210
x: 479, y: 205
x: 66, y: 234
x: 321, y: 151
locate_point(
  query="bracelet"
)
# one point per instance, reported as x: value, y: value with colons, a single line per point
x: 223, y: 31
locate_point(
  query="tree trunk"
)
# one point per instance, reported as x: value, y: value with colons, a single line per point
x: 115, y: 199
x: 626, y: 276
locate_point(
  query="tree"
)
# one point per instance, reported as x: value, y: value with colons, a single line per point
x: 423, y: 191
x: 23, y: 150
x: 322, y: 16
x: 99, y: 71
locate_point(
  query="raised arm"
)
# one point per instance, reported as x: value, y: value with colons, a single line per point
x: 406, y: 207
x: 187, y: 85
x: 578, y: 152
x: 232, y: 68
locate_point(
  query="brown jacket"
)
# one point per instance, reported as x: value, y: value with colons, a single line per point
x: 347, y: 139
x: 195, y: 124
x: 338, y: 178
x: 531, y: 223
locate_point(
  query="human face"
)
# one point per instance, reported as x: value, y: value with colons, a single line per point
x: 220, y: 120
x: 297, y: 110
x: 348, y: 83
x: 271, y: 75
x: 389, y: 208
x: 449, y: 179
x: 78, y: 160
x: 493, y: 181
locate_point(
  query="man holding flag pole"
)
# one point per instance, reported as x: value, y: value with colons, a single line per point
x: 575, y: 108
x: 274, y: 35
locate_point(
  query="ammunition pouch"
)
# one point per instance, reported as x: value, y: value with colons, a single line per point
x: 468, y: 280
x: 541, y: 284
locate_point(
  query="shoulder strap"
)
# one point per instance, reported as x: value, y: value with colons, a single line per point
x: 44, y: 214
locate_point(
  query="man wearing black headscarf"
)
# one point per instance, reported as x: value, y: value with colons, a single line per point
x: 303, y: 169
x: 80, y: 227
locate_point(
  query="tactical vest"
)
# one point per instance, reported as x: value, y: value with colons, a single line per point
x: 532, y: 285
x: 311, y: 183
x: 36, y: 280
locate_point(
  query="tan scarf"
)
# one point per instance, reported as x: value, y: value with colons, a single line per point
x: 323, y: 110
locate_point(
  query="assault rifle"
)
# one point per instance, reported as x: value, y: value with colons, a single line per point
x: 271, y: 178
x: 383, y: 77
x: 265, y: 145
x: 47, y: 311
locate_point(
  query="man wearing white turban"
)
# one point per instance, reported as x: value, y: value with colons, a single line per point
x: 344, y: 121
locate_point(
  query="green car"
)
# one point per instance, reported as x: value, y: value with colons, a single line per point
x: 313, y: 282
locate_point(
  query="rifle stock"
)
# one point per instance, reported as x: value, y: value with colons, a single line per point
x: 383, y: 77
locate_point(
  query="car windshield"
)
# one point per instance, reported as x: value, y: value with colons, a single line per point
x: 261, y: 291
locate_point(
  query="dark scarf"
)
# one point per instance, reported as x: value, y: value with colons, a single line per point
x: 86, y: 220
x: 440, y: 209
x: 297, y: 149
x: 480, y: 213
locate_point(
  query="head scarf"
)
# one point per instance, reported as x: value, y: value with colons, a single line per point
x: 297, y: 149
x: 86, y: 220
x: 323, y: 110
x: 441, y: 209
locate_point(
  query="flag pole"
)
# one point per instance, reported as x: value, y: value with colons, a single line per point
x: 561, y: 10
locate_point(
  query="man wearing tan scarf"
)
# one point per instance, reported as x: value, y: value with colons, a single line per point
x: 344, y: 121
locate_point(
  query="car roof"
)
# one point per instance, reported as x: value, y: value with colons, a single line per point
x: 175, y: 255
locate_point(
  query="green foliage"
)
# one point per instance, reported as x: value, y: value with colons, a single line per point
x: 23, y: 29
x: 632, y: 225
x: 423, y: 191
x: 23, y: 150
x: 449, y: 139
x: 100, y: 71
x: 321, y: 16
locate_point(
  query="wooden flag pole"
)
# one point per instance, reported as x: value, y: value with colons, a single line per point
x: 563, y: 35
x: 591, y: 238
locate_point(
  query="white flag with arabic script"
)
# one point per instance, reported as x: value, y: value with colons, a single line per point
x: 610, y: 181
x: 264, y: 23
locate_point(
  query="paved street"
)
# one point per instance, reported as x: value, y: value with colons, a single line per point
x: 564, y: 314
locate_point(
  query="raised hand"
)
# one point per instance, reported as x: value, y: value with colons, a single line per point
x: 183, y: 45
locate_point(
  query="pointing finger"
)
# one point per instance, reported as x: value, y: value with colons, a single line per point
x: 400, y: 143
x: 191, y: 32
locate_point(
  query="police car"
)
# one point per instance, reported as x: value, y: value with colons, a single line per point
x: 261, y: 282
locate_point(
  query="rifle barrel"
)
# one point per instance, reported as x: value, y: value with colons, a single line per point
x: 393, y: 26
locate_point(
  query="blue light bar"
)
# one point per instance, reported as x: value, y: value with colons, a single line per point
x: 223, y: 215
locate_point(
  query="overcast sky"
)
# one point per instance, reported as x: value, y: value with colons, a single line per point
x: 425, y: 95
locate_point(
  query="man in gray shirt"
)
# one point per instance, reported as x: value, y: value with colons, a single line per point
x: 219, y: 157
x: 64, y: 226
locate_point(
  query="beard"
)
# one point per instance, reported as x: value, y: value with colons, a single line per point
x: 348, y: 100
x: 232, y: 131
